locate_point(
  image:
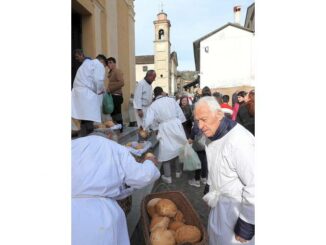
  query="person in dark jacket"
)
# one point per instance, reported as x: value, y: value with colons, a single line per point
x: 187, y: 111
x: 246, y: 113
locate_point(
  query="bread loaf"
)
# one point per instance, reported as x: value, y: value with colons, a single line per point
x: 175, y: 225
x: 187, y: 233
x: 179, y: 216
x: 109, y: 123
x: 100, y: 126
x: 149, y: 154
x: 143, y: 133
x: 166, y: 207
x: 139, y: 146
x: 151, y: 206
x: 159, y: 222
x: 162, y: 237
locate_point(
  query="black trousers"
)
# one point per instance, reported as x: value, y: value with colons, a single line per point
x: 116, y: 114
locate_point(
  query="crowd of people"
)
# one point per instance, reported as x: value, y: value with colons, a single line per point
x: 103, y: 171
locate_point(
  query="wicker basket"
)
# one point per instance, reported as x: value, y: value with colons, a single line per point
x: 183, y: 205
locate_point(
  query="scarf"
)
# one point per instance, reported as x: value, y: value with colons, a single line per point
x: 225, y: 126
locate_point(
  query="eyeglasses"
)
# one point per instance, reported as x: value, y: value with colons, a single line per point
x: 110, y: 62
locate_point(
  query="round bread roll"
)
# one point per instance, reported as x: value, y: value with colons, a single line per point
x: 139, y: 146
x: 166, y: 207
x: 129, y: 144
x: 173, y: 232
x: 143, y: 133
x: 187, y: 233
x: 175, y: 225
x: 151, y: 206
x: 100, y: 126
x: 159, y: 222
x: 179, y: 216
x: 149, y: 154
x: 162, y: 237
x: 109, y: 123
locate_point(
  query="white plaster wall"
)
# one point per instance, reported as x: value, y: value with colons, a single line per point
x: 140, y: 74
x: 229, y: 61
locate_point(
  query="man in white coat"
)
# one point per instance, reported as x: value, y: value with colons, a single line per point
x: 230, y: 157
x: 166, y: 115
x: 143, y: 96
x: 86, y: 95
x: 100, y: 170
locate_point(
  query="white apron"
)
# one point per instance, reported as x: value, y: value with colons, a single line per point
x: 100, y: 167
x: 131, y: 111
x: 172, y: 137
x: 143, y: 97
x: 88, y: 83
x: 98, y: 221
x: 230, y: 166
x: 85, y: 104
x: 166, y: 115
x: 138, y: 119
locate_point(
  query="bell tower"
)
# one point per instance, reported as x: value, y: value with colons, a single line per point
x: 162, y: 52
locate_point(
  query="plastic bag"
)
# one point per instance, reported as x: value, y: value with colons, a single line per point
x: 189, y: 158
x: 107, y: 104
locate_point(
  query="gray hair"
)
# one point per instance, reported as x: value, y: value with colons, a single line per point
x: 210, y: 101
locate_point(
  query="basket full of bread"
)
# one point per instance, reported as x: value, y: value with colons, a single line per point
x: 168, y: 218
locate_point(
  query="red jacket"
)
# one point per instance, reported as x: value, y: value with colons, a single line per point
x: 226, y: 108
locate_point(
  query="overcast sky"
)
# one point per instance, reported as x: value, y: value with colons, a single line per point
x: 190, y: 20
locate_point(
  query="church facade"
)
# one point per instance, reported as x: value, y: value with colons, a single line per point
x: 163, y: 61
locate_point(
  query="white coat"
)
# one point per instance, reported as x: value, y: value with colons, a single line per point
x: 131, y: 111
x: 88, y: 83
x: 166, y: 115
x: 100, y: 167
x: 231, y: 179
x: 143, y: 97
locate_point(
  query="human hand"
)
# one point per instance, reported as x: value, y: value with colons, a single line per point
x: 240, y: 239
x: 151, y: 158
x: 190, y: 141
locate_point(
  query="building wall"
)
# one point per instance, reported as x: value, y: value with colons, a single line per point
x: 229, y: 60
x: 140, y: 74
x: 108, y: 28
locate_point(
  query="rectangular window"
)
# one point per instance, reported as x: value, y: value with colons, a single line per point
x: 145, y: 68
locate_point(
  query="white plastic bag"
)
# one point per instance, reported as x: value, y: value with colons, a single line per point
x: 189, y: 158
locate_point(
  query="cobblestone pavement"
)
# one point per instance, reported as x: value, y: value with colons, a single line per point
x: 194, y: 194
